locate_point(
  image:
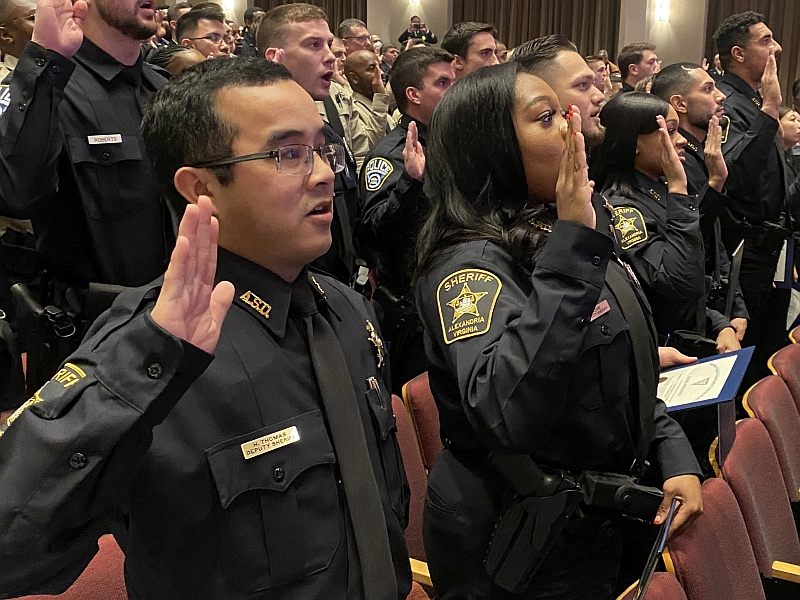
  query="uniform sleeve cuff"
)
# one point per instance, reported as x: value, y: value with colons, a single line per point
x: 678, y: 454
x: 576, y: 251
x: 682, y: 207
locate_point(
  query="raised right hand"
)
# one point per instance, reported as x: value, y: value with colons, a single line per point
x: 189, y: 306
x: 715, y: 163
x: 771, y: 87
x: 670, y: 162
x: 573, y: 188
x: 413, y: 154
x: 59, y: 25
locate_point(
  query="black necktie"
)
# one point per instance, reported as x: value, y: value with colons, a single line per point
x: 344, y: 419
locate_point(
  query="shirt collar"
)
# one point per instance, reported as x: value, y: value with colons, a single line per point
x: 10, y: 62
x: 421, y: 128
x: 363, y: 99
x: 741, y: 86
x: 692, y: 143
x: 106, y: 66
x: 656, y: 189
x: 259, y: 291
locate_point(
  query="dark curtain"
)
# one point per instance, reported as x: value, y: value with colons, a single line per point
x: 590, y: 25
x: 781, y: 16
x: 337, y: 10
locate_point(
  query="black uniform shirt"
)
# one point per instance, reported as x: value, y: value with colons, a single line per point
x: 134, y: 421
x: 660, y: 237
x: 72, y: 160
x: 713, y: 205
x: 540, y: 364
x: 751, y: 147
x: 394, y: 207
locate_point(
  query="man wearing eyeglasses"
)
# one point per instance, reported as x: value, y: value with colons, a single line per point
x: 236, y: 413
x: 203, y: 28
x: 354, y: 34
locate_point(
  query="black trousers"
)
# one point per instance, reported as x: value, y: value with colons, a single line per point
x: 460, y: 513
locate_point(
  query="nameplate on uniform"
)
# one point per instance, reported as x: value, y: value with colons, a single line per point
x: 270, y: 442
x: 376, y: 172
x: 256, y: 303
x: 630, y: 224
x: 466, y: 302
x: 112, y: 138
x: 599, y: 310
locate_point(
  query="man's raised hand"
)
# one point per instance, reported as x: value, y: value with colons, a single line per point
x: 189, y: 306
x: 59, y: 25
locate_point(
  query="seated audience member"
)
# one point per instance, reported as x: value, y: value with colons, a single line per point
x: 472, y: 44
x: 693, y: 94
x: 362, y: 70
x: 657, y: 222
x: 716, y: 71
x: 636, y: 61
x: 519, y: 368
x: 174, y: 59
x: 602, y: 80
x: 250, y: 447
x: 297, y: 35
x: 612, y: 68
x: 394, y: 202
x: 236, y: 35
x: 556, y: 60
x: 175, y: 12
x: 339, y: 51
x: 417, y: 30
x: 248, y: 39
x: 204, y: 30
x: 354, y: 34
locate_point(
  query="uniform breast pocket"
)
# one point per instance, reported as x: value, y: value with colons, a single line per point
x: 116, y: 169
x: 602, y: 374
x: 280, y: 518
x: 380, y: 405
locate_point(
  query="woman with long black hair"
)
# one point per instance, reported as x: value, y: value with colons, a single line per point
x: 639, y: 168
x: 531, y: 326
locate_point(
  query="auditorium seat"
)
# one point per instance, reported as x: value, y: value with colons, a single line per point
x: 786, y: 364
x: 770, y: 402
x: 753, y: 473
x: 425, y: 416
x: 713, y: 559
x: 418, y: 483
x: 417, y: 593
x: 663, y: 586
x: 102, y: 579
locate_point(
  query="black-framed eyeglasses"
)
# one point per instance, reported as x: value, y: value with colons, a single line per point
x: 292, y: 159
x: 215, y: 38
x: 361, y: 38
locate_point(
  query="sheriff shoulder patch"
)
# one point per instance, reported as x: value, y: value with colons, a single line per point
x: 630, y: 224
x: 376, y: 172
x: 466, y: 302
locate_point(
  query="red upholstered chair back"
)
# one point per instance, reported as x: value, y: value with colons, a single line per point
x: 102, y: 579
x: 417, y: 593
x: 663, y: 586
x: 754, y: 475
x: 417, y: 478
x: 419, y: 399
x: 770, y: 402
x: 786, y: 364
x: 713, y: 559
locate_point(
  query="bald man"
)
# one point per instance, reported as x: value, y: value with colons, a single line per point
x: 16, y: 27
x: 363, y: 73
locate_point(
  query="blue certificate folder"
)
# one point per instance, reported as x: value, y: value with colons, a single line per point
x: 731, y: 385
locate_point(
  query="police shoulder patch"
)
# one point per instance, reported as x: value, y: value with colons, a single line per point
x: 466, y: 301
x: 630, y: 224
x: 376, y: 172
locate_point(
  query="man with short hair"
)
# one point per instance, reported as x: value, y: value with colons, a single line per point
x: 354, y: 34
x: 501, y: 52
x: 204, y: 30
x: 389, y: 54
x: 369, y: 95
x: 636, y: 62
x: 175, y: 12
x: 394, y: 203
x: 248, y: 40
x: 16, y: 27
x: 556, y: 60
x: 234, y: 413
x: 600, y: 70
x: 472, y: 44
x: 756, y: 184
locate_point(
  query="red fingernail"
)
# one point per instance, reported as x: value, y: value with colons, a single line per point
x: 657, y: 521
